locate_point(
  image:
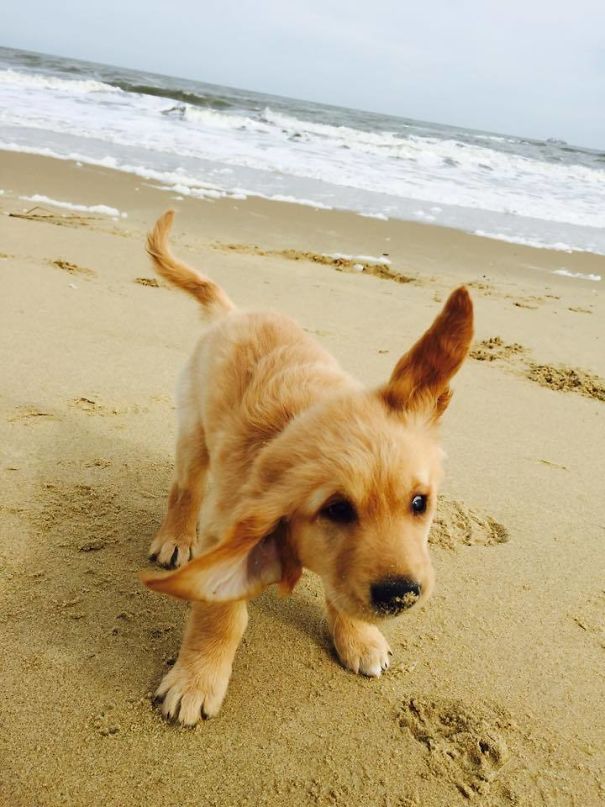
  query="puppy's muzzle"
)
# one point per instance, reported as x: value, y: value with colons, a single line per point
x: 394, y: 595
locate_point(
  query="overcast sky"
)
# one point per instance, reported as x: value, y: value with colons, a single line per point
x: 527, y: 67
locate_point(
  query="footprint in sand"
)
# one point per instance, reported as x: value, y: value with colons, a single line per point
x: 567, y: 379
x: 147, y: 281
x: 319, y: 332
x: 556, y: 377
x: 63, y: 501
x: 348, y: 264
x: 61, y: 219
x: 531, y: 302
x: 30, y: 413
x: 456, y: 524
x: 483, y: 288
x: 92, y: 407
x: 90, y: 517
x: 526, y: 304
x: 341, y: 263
x: 496, y: 349
x: 99, y: 462
x: 73, y: 268
x: 590, y: 617
x: 467, y: 745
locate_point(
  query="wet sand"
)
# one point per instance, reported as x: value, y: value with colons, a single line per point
x: 495, y: 694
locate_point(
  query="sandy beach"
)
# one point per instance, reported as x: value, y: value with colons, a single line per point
x: 495, y: 693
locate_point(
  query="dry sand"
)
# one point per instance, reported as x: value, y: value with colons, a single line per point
x: 495, y: 696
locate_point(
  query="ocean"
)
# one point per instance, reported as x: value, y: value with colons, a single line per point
x: 208, y: 141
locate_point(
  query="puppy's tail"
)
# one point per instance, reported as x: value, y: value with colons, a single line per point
x: 212, y: 298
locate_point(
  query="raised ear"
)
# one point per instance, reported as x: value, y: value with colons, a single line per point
x: 239, y: 568
x: 421, y: 377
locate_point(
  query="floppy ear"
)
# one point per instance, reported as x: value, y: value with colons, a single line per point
x: 421, y: 377
x: 252, y: 558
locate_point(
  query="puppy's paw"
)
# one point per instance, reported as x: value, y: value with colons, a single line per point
x: 171, y: 552
x: 361, y: 648
x: 189, y: 693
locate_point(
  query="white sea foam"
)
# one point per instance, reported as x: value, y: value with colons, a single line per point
x: 35, y: 81
x: 342, y: 135
x: 294, y: 200
x: 478, y: 182
x: 362, y: 258
x: 567, y: 273
x: 559, y: 246
x: 104, y: 210
x: 217, y: 120
x: 380, y: 216
x: 169, y: 181
x: 424, y: 168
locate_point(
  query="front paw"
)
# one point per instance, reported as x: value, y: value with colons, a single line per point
x: 361, y: 648
x: 192, y: 691
x: 171, y: 552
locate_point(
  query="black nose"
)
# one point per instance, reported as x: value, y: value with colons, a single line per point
x: 395, y: 594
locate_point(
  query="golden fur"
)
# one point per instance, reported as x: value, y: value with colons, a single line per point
x: 288, y: 462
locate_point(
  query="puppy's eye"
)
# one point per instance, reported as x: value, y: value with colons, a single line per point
x: 419, y: 504
x: 341, y: 511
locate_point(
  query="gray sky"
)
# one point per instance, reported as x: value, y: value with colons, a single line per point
x: 526, y: 67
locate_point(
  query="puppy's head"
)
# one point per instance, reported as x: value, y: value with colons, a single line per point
x: 347, y: 490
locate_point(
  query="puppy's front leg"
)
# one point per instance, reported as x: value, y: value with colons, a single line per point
x: 361, y: 647
x: 197, y: 684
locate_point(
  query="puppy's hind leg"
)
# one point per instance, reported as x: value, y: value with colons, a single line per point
x: 361, y: 647
x: 174, y: 541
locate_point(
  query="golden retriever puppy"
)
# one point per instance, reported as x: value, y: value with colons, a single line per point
x: 284, y: 461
